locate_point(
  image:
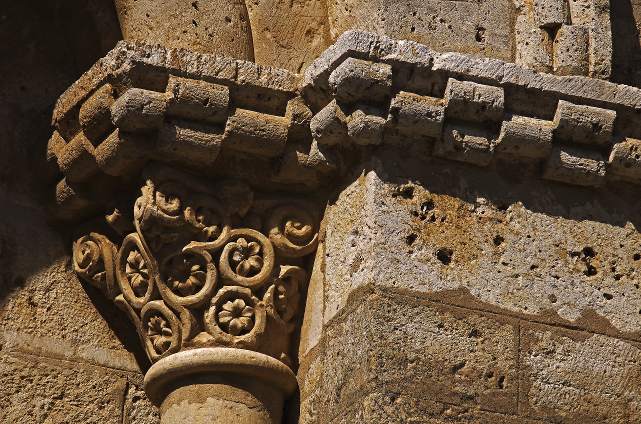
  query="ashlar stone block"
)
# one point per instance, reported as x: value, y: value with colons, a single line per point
x: 188, y: 143
x: 571, y: 50
x: 329, y: 125
x: 575, y: 166
x: 76, y: 160
x: 465, y: 143
x: 625, y: 159
x: 417, y: 116
x: 525, y: 137
x: 197, y: 100
x: 256, y: 133
x: 550, y: 13
x: 576, y: 377
x: 355, y: 80
x: 122, y: 153
x: 95, y: 115
x: 474, y: 102
x: 139, y: 110
x: 585, y: 125
x: 365, y: 126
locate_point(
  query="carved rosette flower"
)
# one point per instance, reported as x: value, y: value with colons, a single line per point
x: 236, y: 317
x: 166, y: 273
x: 246, y: 259
x: 185, y: 275
x: 159, y: 333
x: 137, y: 272
x: 161, y: 330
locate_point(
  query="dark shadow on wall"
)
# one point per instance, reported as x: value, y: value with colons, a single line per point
x: 626, y: 48
x: 46, y: 46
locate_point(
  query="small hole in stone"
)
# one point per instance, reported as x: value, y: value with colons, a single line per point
x: 410, y: 239
x: 552, y: 298
x: 500, y: 382
x: 228, y: 19
x: 533, y: 267
x: 590, y: 270
x: 607, y: 296
x: 194, y: 23
x: 457, y: 367
x: 637, y: 256
x: 444, y: 255
x: 589, y: 252
x: 406, y: 192
x: 473, y: 333
x: 498, y: 240
x: 427, y: 206
x: 194, y: 4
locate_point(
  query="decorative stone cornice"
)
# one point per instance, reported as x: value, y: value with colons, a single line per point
x: 233, y: 159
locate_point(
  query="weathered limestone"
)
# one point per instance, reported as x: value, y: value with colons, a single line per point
x: 219, y: 385
x: 567, y: 37
x: 482, y: 28
x: 459, y: 299
x: 204, y: 26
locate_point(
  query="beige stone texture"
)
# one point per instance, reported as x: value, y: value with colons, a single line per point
x: 483, y: 28
x: 205, y: 26
x: 288, y: 34
x: 571, y: 51
x: 572, y: 376
x: 449, y: 298
x: 479, y: 253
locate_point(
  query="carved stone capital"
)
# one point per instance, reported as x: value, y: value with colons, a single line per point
x: 205, y: 265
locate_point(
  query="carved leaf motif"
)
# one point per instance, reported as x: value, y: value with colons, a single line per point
x: 292, y: 231
x: 137, y: 272
x: 160, y: 334
x: 93, y: 261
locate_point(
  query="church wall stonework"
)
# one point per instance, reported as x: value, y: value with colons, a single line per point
x: 243, y: 197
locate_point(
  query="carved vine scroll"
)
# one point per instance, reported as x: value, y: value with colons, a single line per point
x: 205, y: 265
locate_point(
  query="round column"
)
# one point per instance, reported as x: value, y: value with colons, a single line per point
x: 219, y: 385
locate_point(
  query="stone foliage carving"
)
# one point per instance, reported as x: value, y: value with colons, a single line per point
x: 205, y: 265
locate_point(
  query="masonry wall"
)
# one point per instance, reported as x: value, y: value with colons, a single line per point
x: 447, y: 293
x: 66, y: 356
